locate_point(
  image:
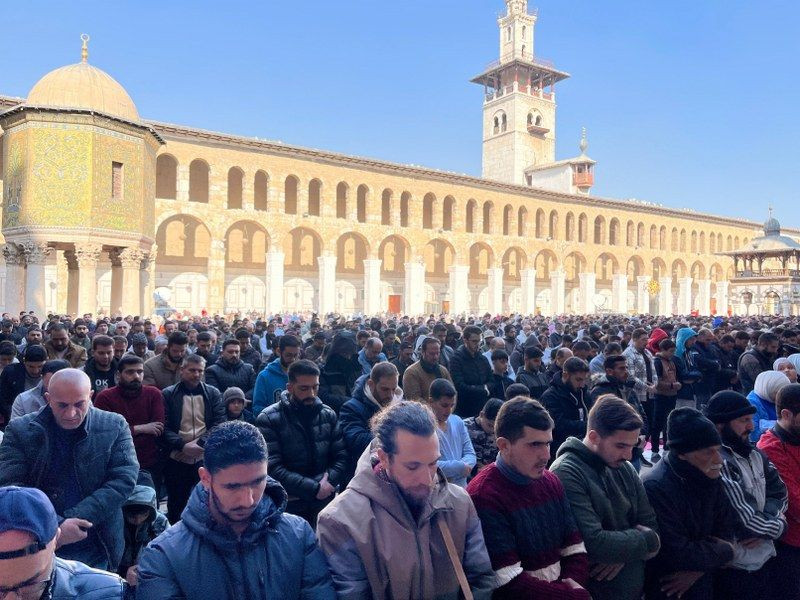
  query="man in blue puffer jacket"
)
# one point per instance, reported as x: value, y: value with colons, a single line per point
x: 234, y: 540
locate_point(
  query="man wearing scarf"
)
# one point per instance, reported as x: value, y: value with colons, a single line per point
x: 757, y: 494
x: 418, y: 377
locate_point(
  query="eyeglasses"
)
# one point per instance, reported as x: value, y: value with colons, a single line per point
x: 27, y: 589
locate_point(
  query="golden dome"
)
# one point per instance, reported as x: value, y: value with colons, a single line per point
x: 84, y: 87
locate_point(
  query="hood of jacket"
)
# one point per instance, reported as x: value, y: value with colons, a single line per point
x: 684, y: 334
x: 575, y: 447
x: 197, y: 518
x: 656, y: 336
x: 143, y: 495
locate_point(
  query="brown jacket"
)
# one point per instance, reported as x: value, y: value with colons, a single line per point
x: 375, y: 549
x: 417, y: 382
x: 75, y: 355
x: 667, y: 378
x: 158, y: 373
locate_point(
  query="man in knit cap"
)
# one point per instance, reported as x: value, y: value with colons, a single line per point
x: 757, y: 494
x: 695, y: 519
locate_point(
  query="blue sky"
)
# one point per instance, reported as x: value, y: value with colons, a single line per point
x: 687, y: 104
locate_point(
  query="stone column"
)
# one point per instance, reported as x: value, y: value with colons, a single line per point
x: 722, y: 298
x: 588, y: 287
x: 786, y: 307
x: 557, y: 279
x: 685, y: 295
x: 704, y: 297
x: 147, y: 277
x: 274, y: 296
x: 36, y: 254
x: 414, y: 293
x: 216, y: 278
x: 15, y: 278
x: 619, y: 293
x: 326, y: 294
x: 131, y: 261
x: 642, y: 295
x: 528, y: 277
x: 87, y: 256
x: 459, y: 289
x: 495, y: 290
x: 372, y: 286
x: 665, y: 296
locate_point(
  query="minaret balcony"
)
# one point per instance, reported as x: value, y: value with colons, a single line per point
x: 537, y: 129
x: 583, y: 179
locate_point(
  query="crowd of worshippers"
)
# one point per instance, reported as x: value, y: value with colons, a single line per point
x: 609, y: 457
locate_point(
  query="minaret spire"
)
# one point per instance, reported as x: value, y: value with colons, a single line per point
x: 85, y: 48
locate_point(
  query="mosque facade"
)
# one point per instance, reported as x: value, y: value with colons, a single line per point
x: 105, y: 212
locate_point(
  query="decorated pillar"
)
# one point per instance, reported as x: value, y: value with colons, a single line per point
x: 619, y: 293
x: 36, y: 254
x: 87, y: 256
x: 274, y: 290
x: 326, y: 294
x: 372, y: 286
x: 216, y: 278
x: 557, y: 279
x: 642, y: 295
x: 588, y: 283
x: 131, y: 263
x: 495, y: 290
x: 704, y: 297
x: 685, y: 295
x: 459, y: 289
x: 722, y: 298
x: 15, y: 278
x: 147, y: 277
x: 414, y: 296
x: 528, y: 277
x: 665, y: 296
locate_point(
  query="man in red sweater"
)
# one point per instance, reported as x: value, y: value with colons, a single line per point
x: 781, y: 444
x: 143, y: 409
x: 533, y: 540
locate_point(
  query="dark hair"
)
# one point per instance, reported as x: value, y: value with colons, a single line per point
x: 119, y: 338
x: 470, y: 330
x: 517, y: 413
x: 666, y: 344
x: 102, y: 340
x: 789, y: 333
x: 204, y: 336
x: 491, y: 408
x: 300, y: 368
x: 788, y: 398
x: 127, y: 361
x: 581, y: 346
x: 57, y: 327
x: 55, y: 365
x: 441, y: 387
x: 177, y: 338
x: 499, y: 355
x: 727, y: 339
x: 517, y: 389
x: 637, y: 333
x: 241, y: 334
x: 381, y: 370
x: 533, y: 352
x: 612, y: 347
x: 7, y: 348
x: 575, y: 364
x: 389, y: 331
x: 611, y: 414
x: 288, y: 341
x: 426, y: 342
x: 611, y: 361
x: 233, y: 443
x: 406, y: 415
x: 35, y: 353
x: 439, y: 327
x: 742, y: 335
x: 767, y: 338
x: 230, y: 342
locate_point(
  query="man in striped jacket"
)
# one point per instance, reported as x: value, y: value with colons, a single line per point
x: 757, y: 494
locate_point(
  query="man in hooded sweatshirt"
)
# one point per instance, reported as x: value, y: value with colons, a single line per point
x: 142, y: 524
x: 234, y: 539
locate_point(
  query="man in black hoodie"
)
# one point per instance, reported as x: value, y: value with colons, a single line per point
x: 533, y: 374
x: 567, y: 401
x: 231, y: 371
x: 102, y: 366
x: 471, y: 374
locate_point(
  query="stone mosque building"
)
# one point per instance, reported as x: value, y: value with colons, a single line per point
x: 105, y: 212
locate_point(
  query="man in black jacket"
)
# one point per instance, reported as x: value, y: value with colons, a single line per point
x: 307, y: 454
x: 705, y: 360
x: 192, y: 409
x: 102, y: 366
x: 18, y: 377
x: 471, y: 374
x: 567, y: 401
x: 231, y: 371
x: 533, y: 374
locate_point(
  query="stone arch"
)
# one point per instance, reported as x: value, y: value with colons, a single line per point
x: 198, y: 181
x: 659, y: 268
x: 662, y: 238
x: 352, y: 249
x: 488, y: 217
x: 235, y: 185
x: 513, y: 262
x: 448, y: 210
x: 522, y: 222
x: 246, y: 244
x: 574, y: 265
x: 394, y: 252
x: 545, y: 262
x: 481, y: 259
x: 693, y: 243
x: 438, y: 256
x: 428, y: 208
x: 682, y: 245
x: 302, y: 247
x: 314, y: 197
x: 260, y: 190
x: 583, y: 228
x: 166, y: 177
x: 653, y: 237
x: 569, y: 227
x: 712, y: 243
x: 342, y: 193
x: 640, y: 239
x: 614, y: 232
x: 698, y: 270
x: 678, y: 269
x: 605, y: 266
x: 508, y: 215
x: 600, y: 230
x: 634, y: 268
x: 674, y: 240
x: 539, y: 223
x: 362, y: 196
x: 386, y: 207
x: 736, y: 243
x: 552, y: 229
x: 630, y: 234
x: 716, y: 272
x: 469, y: 217
x: 702, y: 243
x: 183, y: 240
x: 405, y: 209
x: 729, y: 243
x: 290, y: 185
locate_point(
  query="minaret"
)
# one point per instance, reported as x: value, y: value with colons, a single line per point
x: 519, y: 109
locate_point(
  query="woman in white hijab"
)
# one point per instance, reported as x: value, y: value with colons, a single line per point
x: 785, y: 366
x: 795, y: 360
x: 766, y: 389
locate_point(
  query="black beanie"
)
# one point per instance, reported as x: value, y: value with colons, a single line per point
x: 727, y: 405
x: 688, y: 430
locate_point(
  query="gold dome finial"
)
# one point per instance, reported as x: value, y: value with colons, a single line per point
x: 85, y: 48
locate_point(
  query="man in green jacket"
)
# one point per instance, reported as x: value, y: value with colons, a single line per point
x: 608, y: 500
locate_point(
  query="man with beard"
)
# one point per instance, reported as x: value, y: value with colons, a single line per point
x: 206, y: 340
x: 59, y: 346
x: 608, y: 500
x: 32, y: 400
x: 533, y: 541
x: 399, y: 499
x: 19, y: 377
x: 139, y: 347
x: 567, y: 402
x: 471, y: 373
x: 781, y: 444
x: 757, y: 360
x: 102, y: 366
x: 533, y: 374
x: 143, y: 409
x: 81, y: 336
x: 231, y: 371
x: 234, y: 539
x: 756, y: 493
x: 418, y: 378
x: 307, y: 454
x: 405, y: 359
x: 163, y: 370
x: 271, y: 382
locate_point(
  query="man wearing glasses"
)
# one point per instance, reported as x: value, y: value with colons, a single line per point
x: 29, y: 569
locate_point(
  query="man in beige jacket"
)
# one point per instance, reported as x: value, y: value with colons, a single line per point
x: 418, y: 377
x: 383, y: 536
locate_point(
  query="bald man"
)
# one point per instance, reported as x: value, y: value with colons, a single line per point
x: 83, y: 459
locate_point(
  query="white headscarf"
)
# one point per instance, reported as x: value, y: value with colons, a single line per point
x: 768, y: 383
x: 795, y: 360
